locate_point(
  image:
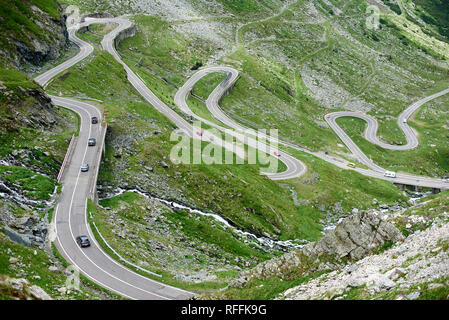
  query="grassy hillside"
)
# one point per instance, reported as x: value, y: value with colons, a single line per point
x: 300, y: 63
x: 34, y: 266
x: 33, y: 31
x: 236, y: 192
x: 30, y: 122
x: 435, y: 13
x: 296, y: 63
x: 34, y: 135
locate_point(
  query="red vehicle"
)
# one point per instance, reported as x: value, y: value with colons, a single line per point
x: 277, y: 154
x: 199, y: 133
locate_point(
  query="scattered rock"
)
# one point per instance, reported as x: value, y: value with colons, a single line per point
x: 53, y: 269
x: 18, y: 284
x: 164, y: 164
x: 38, y: 293
x: 62, y: 290
x: 118, y: 152
x: 13, y: 260
x: 413, y: 296
x: 395, y: 273
x: 379, y: 282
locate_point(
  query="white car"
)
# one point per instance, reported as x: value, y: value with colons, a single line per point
x: 390, y: 174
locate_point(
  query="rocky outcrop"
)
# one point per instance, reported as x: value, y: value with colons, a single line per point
x: 355, y: 237
x: 29, y: 107
x: 40, y: 39
x: 127, y: 33
x: 21, y: 289
x: 418, y: 264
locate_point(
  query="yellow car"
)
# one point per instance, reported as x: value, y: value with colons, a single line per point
x: 351, y: 165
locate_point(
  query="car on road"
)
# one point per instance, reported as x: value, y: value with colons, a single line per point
x: 92, y: 142
x: 390, y: 174
x: 199, y: 133
x: 84, y: 167
x: 445, y: 179
x: 94, y: 120
x: 277, y: 154
x: 351, y: 165
x: 404, y: 121
x: 83, y: 241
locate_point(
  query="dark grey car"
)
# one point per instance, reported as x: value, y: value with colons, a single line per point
x: 92, y: 142
x: 83, y: 241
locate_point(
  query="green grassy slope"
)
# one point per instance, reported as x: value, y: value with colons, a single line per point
x: 34, y: 136
x: 28, y: 23
x: 295, y: 67
x: 434, y: 12
x: 237, y: 192
x: 33, y: 265
x: 21, y: 101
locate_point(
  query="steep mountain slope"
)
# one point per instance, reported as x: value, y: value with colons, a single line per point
x: 368, y: 256
x: 135, y: 158
x: 34, y: 135
x: 298, y: 60
x: 33, y: 31
x: 433, y: 13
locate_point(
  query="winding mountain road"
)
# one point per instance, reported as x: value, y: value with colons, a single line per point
x: 295, y: 168
x: 372, y: 125
x: 70, y: 217
x: 374, y: 170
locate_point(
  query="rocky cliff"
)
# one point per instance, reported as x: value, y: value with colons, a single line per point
x: 32, y: 32
x: 416, y: 268
x: 21, y: 289
x: 34, y: 133
x: 355, y: 237
x: 369, y: 255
